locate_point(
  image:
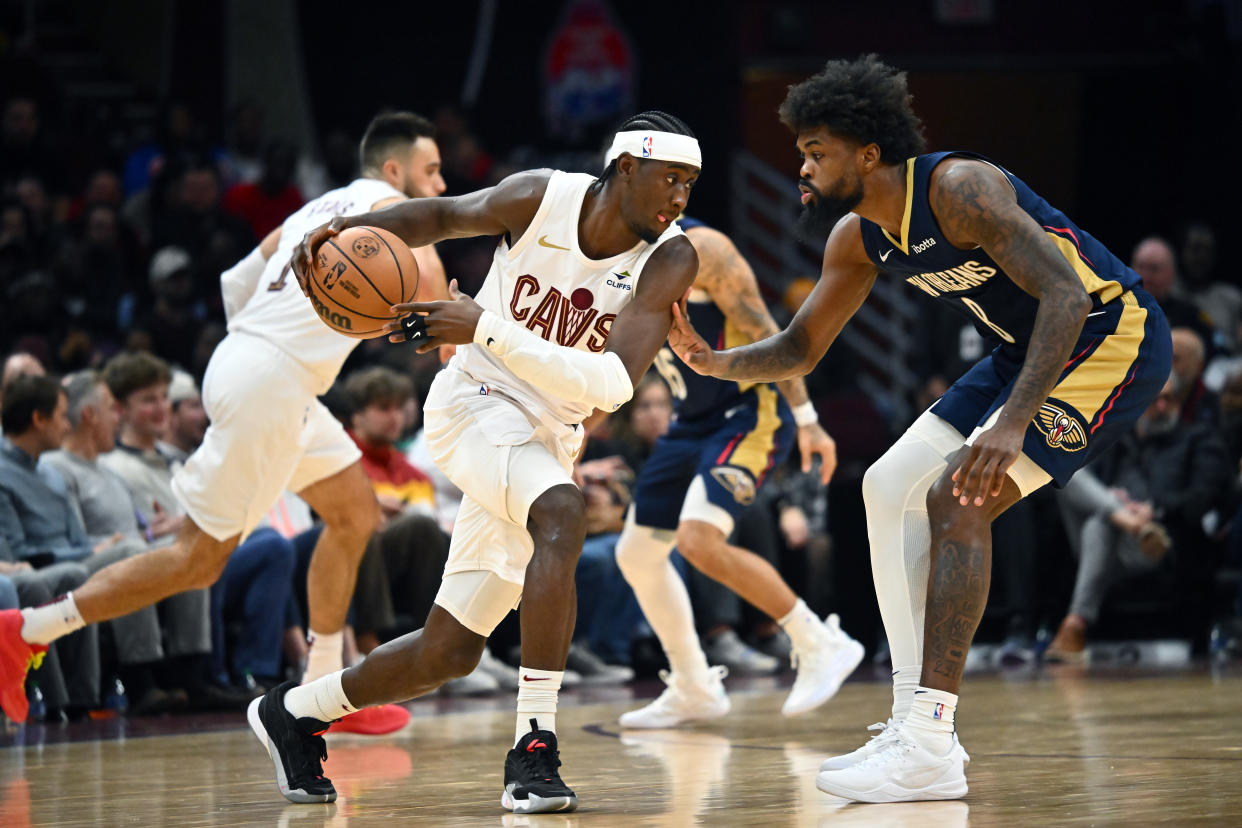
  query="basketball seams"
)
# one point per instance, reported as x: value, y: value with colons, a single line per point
x: 363, y: 274
x: 400, y: 270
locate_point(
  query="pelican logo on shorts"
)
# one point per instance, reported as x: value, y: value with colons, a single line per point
x: 1060, y: 429
x: 738, y: 481
x: 366, y: 246
x: 647, y: 150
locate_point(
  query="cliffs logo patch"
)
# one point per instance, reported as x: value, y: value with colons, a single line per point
x: 738, y: 482
x: 366, y: 246
x: 1060, y: 429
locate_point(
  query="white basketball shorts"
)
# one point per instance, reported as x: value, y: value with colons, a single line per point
x: 268, y: 433
x: 503, y: 460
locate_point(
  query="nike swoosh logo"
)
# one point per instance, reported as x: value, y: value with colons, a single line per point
x: 884, y: 256
x: 543, y: 242
x: 534, y: 678
x: 1097, y: 313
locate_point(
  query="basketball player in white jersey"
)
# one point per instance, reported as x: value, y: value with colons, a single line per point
x: 573, y: 310
x: 268, y: 433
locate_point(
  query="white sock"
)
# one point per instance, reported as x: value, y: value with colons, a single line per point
x: 930, y: 722
x: 45, y: 624
x: 905, y: 682
x: 537, y: 691
x: 642, y: 555
x: 324, y: 656
x: 323, y: 699
x: 802, y: 626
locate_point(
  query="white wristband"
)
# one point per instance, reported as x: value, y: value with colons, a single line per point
x: 805, y: 414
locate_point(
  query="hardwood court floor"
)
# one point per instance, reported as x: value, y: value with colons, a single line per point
x: 1050, y: 748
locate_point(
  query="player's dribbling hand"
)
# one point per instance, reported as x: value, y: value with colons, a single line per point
x: 449, y: 322
x: 813, y: 440
x: 304, y: 252
x: 983, y: 465
x: 685, y: 341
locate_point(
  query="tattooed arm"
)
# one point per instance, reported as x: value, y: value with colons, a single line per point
x: 843, y: 285
x: 729, y: 281
x: 976, y: 206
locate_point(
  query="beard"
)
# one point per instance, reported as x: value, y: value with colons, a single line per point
x: 1155, y: 425
x: 824, y: 210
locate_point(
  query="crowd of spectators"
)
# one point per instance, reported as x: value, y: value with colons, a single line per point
x: 110, y: 266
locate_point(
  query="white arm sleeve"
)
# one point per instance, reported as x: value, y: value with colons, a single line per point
x: 598, y: 380
x: 237, y: 284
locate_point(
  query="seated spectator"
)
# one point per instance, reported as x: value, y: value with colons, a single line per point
x: 1199, y: 405
x: 1213, y: 295
x: 1154, y: 261
x: 266, y: 203
x: 174, y: 319
x: 405, y: 557
x: 1136, y: 505
x: 41, y: 541
x: 187, y: 422
x: 106, y: 509
x: 139, y: 382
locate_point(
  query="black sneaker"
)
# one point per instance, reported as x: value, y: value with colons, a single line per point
x: 532, y: 783
x: 296, y: 747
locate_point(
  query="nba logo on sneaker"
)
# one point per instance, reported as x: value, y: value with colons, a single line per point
x: 647, y: 147
x: 938, y: 711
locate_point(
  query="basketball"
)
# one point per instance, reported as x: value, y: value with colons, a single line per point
x: 358, y: 275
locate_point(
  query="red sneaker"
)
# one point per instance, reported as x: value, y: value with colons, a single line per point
x: 16, y: 658
x: 373, y: 721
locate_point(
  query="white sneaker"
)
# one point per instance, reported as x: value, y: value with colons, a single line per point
x: 887, y: 732
x: 901, y: 771
x: 682, y: 701
x: 822, y: 670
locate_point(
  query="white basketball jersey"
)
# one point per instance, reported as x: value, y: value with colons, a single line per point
x: 548, y: 284
x: 279, y: 312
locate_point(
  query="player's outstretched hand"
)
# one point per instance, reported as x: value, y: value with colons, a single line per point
x: 685, y: 341
x: 983, y: 465
x: 449, y: 322
x: 307, y: 249
x: 813, y: 440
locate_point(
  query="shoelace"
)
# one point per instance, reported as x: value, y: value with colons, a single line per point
x: 675, y: 686
x: 541, y: 762
x: 310, y: 763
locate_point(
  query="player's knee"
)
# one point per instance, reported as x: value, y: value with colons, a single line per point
x: 944, y: 510
x: 560, y: 512
x: 700, y: 544
x: 201, y: 567
x: 640, y: 549
x: 359, y: 520
x: 455, y: 659
x: 881, y: 483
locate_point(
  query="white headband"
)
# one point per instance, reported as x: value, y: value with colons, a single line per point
x: 664, y: 146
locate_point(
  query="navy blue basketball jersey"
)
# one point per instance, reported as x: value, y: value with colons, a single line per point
x: 696, y: 397
x: 970, y: 280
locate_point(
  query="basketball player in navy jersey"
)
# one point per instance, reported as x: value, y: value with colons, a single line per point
x: 1083, y: 351
x: 549, y: 339
x: 699, y: 479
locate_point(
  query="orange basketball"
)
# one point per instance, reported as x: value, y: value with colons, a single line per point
x: 359, y: 273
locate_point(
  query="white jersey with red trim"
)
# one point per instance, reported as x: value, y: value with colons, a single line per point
x: 279, y: 312
x: 548, y: 284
